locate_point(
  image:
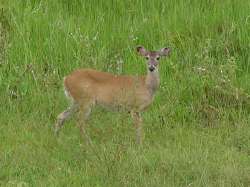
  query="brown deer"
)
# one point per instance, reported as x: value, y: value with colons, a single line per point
x: 87, y: 88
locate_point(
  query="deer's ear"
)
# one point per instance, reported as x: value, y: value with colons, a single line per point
x: 141, y: 50
x: 165, y: 51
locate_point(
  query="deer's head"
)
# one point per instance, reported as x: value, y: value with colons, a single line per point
x: 152, y: 57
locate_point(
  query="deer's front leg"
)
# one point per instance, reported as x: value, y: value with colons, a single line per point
x: 138, y: 126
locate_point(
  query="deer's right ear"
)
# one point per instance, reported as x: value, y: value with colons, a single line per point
x: 141, y: 50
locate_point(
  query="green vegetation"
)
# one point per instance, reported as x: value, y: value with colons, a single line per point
x: 197, y: 131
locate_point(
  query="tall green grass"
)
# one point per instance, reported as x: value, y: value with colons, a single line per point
x: 197, y: 130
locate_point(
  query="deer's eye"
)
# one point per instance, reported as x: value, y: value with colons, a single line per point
x: 147, y: 57
x: 158, y: 58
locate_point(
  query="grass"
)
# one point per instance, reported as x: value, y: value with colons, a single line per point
x: 197, y: 130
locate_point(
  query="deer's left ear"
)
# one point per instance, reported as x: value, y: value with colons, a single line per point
x: 141, y: 50
x: 165, y: 51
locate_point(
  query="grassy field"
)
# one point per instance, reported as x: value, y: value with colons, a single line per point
x: 196, y: 132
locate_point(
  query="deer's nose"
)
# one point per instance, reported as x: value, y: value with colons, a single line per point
x: 151, y: 68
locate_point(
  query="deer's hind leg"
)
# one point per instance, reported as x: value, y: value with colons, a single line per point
x: 83, y: 115
x: 62, y: 117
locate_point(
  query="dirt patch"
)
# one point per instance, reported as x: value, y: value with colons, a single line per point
x: 220, y: 92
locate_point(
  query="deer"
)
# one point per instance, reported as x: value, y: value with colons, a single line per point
x: 87, y: 88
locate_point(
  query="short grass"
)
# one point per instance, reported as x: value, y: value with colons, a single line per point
x: 197, y: 131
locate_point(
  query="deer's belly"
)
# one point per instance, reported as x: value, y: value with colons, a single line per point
x: 125, y: 102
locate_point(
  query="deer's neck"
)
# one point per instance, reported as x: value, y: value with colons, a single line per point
x: 152, y: 81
